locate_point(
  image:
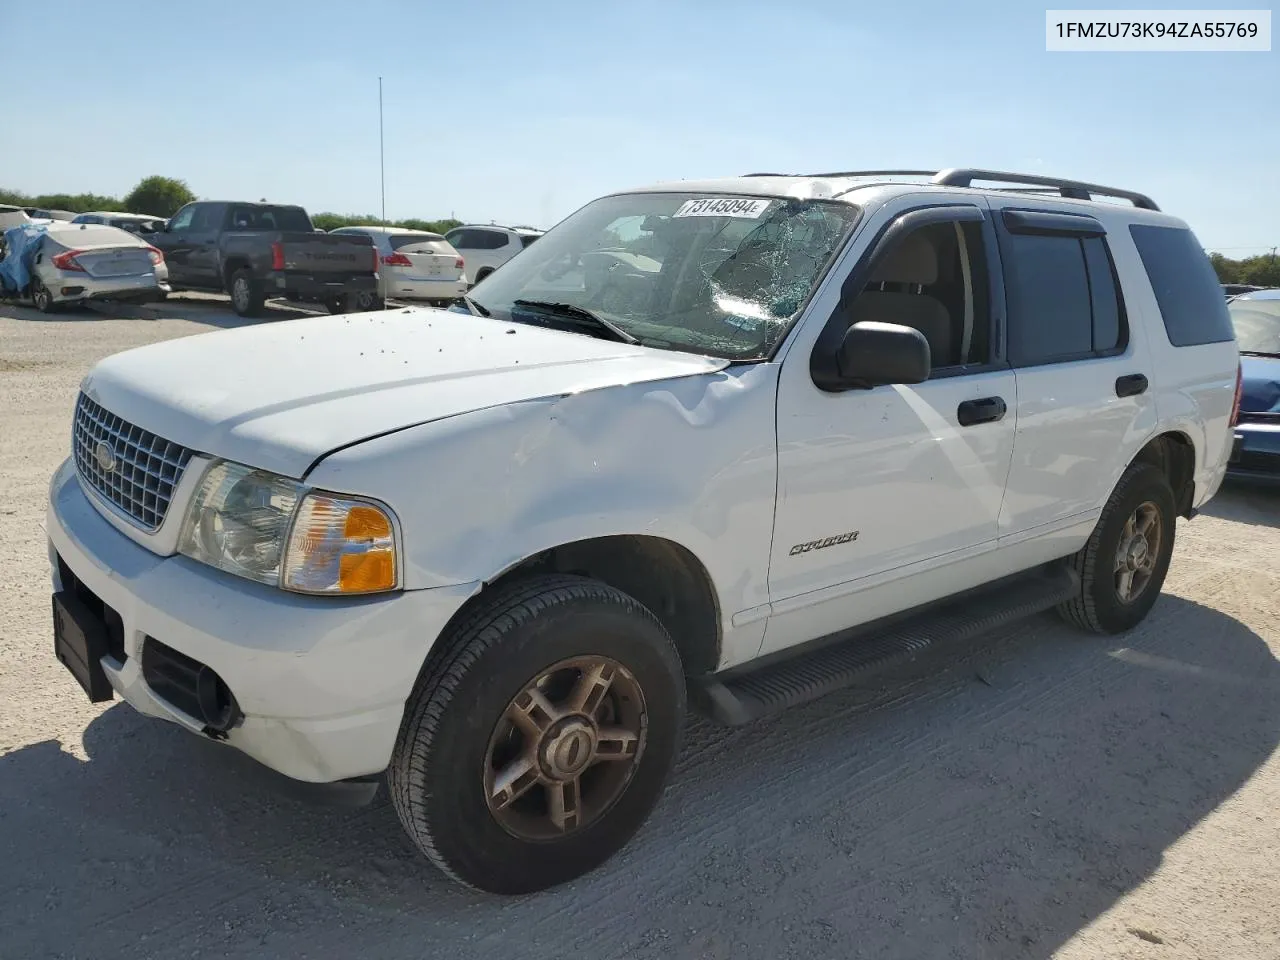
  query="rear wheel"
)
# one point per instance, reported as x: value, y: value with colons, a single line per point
x: 540, y: 738
x: 41, y: 296
x: 247, y: 297
x: 1124, y: 563
x: 363, y: 301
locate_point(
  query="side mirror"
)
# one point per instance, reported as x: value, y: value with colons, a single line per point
x: 873, y: 354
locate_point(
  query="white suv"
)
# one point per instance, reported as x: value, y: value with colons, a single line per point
x: 486, y: 248
x: 747, y: 438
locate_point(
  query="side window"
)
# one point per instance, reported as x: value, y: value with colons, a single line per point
x: 488, y: 239
x: 1185, y: 285
x: 460, y: 239
x: 1062, y: 298
x: 206, y: 219
x: 182, y: 219
x: 527, y: 239
x: 935, y: 280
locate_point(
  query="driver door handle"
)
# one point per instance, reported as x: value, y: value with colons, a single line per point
x: 986, y: 410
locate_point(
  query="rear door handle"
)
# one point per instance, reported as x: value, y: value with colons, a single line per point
x: 1131, y: 385
x: 986, y: 410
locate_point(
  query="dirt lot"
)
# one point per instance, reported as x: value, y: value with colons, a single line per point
x: 1045, y: 794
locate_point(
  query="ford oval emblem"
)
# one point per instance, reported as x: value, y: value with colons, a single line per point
x: 104, y: 456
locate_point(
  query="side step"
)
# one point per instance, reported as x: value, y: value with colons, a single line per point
x: 738, y: 698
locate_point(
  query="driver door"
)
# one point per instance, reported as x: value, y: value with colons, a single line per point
x: 880, y: 489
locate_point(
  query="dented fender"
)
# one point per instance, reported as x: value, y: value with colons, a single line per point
x: 691, y: 459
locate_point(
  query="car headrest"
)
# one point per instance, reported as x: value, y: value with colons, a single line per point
x: 913, y: 260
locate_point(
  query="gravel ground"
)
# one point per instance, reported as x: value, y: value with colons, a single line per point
x: 1041, y: 794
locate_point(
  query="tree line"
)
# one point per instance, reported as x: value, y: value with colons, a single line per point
x: 164, y: 196
x: 1261, y: 271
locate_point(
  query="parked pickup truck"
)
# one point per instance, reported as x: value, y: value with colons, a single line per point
x: 256, y: 251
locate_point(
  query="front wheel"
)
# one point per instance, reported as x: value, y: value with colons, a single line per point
x: 1124, y: 562
x: 542, y: 738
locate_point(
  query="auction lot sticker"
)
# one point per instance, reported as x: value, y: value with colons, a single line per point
x: 748, y: 208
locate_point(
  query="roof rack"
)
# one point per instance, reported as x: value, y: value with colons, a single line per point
x: 874, y: 173
x: 964, y: 177
x: 1071, y: 189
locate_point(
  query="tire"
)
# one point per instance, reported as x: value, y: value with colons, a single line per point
x: 42, y: 297
x: 364, y: 302
x: 442, y: 766
x: 1100, y: 607
x: 247, y: 297
x: 484, y: 272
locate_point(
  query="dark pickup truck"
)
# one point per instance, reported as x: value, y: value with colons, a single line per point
x: 261, y: 251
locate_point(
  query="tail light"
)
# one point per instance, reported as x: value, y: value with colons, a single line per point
x: 1235, y: 404
x: 156, y: 256
x: 277, y: 256
x: 67, y: 261
x: 397, y: 260
x: 459, y: 263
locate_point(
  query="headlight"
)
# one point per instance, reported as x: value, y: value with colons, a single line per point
x: 240, y: 522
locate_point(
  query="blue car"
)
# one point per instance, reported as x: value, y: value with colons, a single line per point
x: 1255, y: 454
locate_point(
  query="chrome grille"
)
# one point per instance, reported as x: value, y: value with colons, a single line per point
x: 146, y: 467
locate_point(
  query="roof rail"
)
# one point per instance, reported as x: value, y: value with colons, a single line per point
x: 1071, y: 189
x: 875, y: 173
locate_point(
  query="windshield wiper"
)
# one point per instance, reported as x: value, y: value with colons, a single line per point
x: 580, y: 315
x: 1259, y: 353
x: 475, y: 308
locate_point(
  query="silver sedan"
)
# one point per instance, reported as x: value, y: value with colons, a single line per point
x: 79, y: 262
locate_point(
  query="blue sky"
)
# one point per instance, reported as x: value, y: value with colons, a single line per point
x: 521, y: 112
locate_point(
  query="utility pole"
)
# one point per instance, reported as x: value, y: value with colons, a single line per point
x: 382, y: 155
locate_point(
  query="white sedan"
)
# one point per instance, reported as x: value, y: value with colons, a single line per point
x: 79, y: 262
x: 414, y: 265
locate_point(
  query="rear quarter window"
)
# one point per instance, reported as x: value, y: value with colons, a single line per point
x: 1186, y: 287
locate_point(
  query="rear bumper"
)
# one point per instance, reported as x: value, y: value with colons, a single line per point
x: 76, y: 288
x: 404, y: 288
x: 1255, y: 452
x: 312, y: 286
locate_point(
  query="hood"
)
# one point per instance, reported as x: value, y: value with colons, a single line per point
x: 279, y: 396
x: 1260, y: 386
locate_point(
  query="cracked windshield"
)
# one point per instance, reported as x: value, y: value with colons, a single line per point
x: 717, y: 275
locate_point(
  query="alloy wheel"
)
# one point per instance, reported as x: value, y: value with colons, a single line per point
x: 565, y: 748
x: 1137, y: 552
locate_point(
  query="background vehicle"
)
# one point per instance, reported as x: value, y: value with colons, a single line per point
x: 487, y: 247
x: 413, y: 265
x: 1235, y: 289
x: 13, y: 217
x: 79, y: 262
x: 40, y: 213
x: 776, y: 432
x: 1255, y: 453
x: 139, y: 223
x: 257, y: 251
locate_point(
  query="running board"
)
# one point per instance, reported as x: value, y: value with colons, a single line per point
x: 739, y: 698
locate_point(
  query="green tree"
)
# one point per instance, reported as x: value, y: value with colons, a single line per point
x: 159, y: 196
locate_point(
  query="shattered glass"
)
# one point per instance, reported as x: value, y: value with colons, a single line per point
x: 721, y: 276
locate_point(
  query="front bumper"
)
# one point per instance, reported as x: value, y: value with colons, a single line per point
x: 1255, y: 452
x: 321, y: 681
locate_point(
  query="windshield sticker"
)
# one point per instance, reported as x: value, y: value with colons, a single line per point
x: 742, y: 207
